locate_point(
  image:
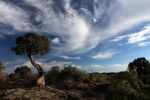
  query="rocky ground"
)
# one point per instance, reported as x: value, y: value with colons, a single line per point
x: 34, y: 93
x: 51, y: 93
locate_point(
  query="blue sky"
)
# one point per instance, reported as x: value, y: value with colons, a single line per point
x: 94, y: 35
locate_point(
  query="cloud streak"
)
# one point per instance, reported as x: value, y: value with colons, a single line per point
x: 14, y: 16
x: 73, y: 58
x: 81, y: 25
x: 137, y: 37
x: 106, y: 68
x: 103, y: 55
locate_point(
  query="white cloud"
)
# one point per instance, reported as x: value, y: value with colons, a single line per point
x: 127, y: 14
x: 96, y: 66
x: 14, y: 16
x: 72, y: 28
x: 67, y: 57
x: 136, y: 38
x: 117, y: 39
x: 106, y: 68
x: 104, y: 55
x: 56, y: 41
x: 142, y: 44
x: 139, y: 36
x: 79, y: 35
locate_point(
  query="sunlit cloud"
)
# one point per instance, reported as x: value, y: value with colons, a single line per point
x: 56, y: 41
x: 137, y: 37
x: 67, y: 57
x: 103, y: 55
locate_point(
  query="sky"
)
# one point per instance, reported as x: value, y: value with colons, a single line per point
x: 94, y: 35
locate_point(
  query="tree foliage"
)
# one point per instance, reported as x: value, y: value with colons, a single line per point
x: 53, y: 75
x: 31, y: 43
x: 127, y: 86
x: 140, y: 65
x: 21, y: 73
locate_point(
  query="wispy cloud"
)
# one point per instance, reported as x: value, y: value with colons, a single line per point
x: 14, y: 16
x: 142, y: 35
x: 103, y: 55
x: 136, y: 38
x: 80, y: 25
x: 107, y: 68
x: 142, y: 44
x: 67, y: 57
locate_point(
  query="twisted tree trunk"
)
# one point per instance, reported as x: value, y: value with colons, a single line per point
x: 41, y: 79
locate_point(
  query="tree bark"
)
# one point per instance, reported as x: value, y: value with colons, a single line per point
x: 41, y: 79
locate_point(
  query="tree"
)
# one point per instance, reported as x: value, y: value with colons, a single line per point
x: 140, y: 65
x: 33, y: 44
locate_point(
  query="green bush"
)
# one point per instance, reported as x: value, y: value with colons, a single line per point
x: 3, y: 74
x: 123, y: 91
x: 21, y: 74
x: 145, y: 79
x: 127, y: 86
x: 52, y: 76
x: 84, y: 77
x: 97, y: 77
x: 71, y: 73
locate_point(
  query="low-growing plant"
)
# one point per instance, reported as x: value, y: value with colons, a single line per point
x: 127, y: 86
x: 97, y: 77
x: 3, y: 74
x: 21, y: 74
x: 52, y: 76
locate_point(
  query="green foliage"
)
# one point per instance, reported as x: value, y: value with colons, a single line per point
x: 84, y: 76
x: 141, y: 66
x: 97, y: 77
x: 123, y: 90
x: 127, y: 86
x: 52, y: 75
x: 3, y: 75
x: 23, y: 70
x: 145, y: 78
x: 70, y: 77
x: 21, y: 73
x: 32, y: 44
x: 70, y: 73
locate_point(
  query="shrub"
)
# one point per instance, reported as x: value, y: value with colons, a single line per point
x: 122, y: 91
x: 71, y: 73
x: 3, y: 75
x: 127, y: 86
x: 52, y: 76
x: 84, y: 76
x: 22, y: 74
x: 97, y: 77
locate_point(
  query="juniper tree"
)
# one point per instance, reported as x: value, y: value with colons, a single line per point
x: 33, y: 44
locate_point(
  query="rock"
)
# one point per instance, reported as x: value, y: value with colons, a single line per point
x: 34, y: 93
